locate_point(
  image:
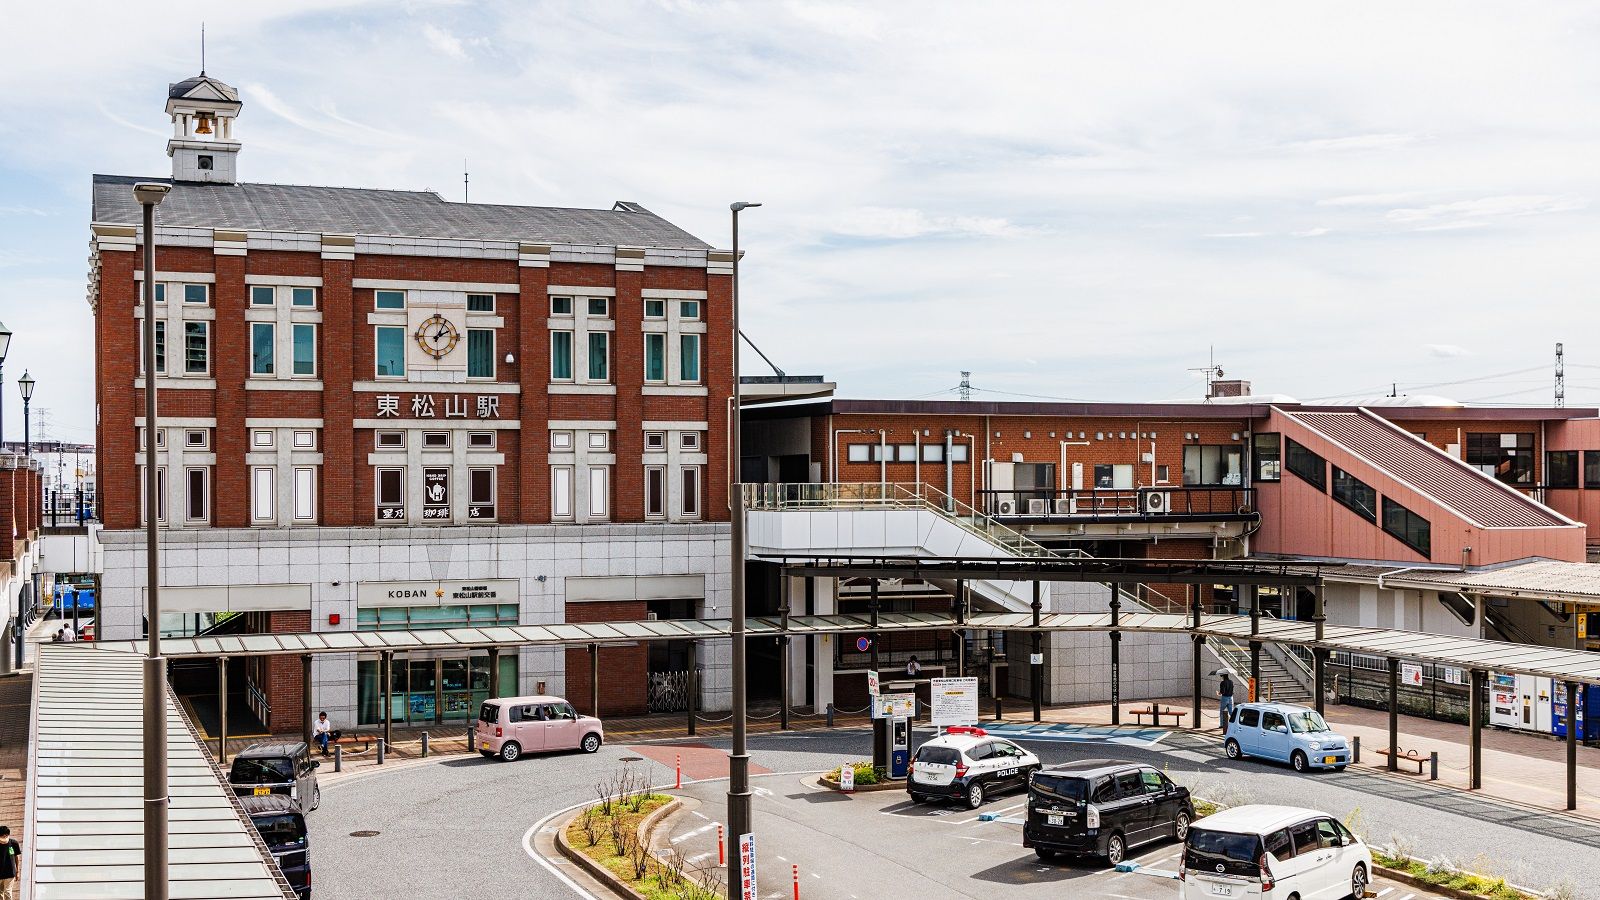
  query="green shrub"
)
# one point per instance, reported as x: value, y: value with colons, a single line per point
x: 865, y: 773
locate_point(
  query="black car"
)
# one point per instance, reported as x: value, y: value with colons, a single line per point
x: 277, y: 767
x: 283, y: 829
x: 1102, y: 808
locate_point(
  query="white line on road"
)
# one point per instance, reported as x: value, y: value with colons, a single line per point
x: 689, y: 834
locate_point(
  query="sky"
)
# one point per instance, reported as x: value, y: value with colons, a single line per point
x: 1069, y: 200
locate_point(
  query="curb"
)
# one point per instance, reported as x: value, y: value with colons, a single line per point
x: 861, y: 788
x: 1407, y: 878
x: 601, y: 873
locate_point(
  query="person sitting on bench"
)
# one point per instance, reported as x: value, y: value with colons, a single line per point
x: 322, y: 732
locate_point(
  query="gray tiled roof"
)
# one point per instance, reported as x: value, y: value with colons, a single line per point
x: 420, y: 214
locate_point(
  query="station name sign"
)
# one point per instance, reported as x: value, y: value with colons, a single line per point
x: 437, y: 593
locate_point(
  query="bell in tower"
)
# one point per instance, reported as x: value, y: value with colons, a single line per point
x: 202, y: 145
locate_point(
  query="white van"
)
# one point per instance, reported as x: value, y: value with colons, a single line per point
x: 1273, y: 851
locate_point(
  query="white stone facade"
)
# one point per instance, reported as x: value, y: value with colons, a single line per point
x: 319, y: 569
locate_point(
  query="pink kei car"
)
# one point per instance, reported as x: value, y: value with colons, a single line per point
x: 511, y: 726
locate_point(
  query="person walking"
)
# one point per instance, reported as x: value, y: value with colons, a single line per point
x: 68, y: 634
x: 1225, y: 700
x: 913, y: 668
x: 322, y: 731
x: 10, y: 865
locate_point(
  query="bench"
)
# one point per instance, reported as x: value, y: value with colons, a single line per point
x: 1405, y: 756
x: 1156, y: 712
x: 349, y: 740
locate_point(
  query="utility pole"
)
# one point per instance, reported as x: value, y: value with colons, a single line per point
x: 966, y: 386
x: 1561, y: 376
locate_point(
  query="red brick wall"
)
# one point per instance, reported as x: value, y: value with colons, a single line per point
x: 283, y: 684
x: 345, y: 356
x: 622, y: 669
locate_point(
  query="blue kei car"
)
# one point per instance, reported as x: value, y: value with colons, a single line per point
x: 1296, y: 735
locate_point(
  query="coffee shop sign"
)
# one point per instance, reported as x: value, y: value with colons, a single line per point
x: 454, y: 407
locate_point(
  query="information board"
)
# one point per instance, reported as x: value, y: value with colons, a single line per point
x: 894, y: 706
x: 747, y: 867
x: 847, y: 777
x: 1411, y: 674
x: 872, y: 683
x: 954, y: 701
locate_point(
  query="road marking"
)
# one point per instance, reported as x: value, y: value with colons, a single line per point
x: 699, y: 856
x: 700, y: 814
x: 527, y: 846
x: 689, y: 834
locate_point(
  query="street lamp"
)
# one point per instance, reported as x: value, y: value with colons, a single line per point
x: 25, y: 384
x: 150, y: 194
x: 739, y: 759
x: 5, y: 344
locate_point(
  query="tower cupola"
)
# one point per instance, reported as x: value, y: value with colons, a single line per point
x: 202, y: 145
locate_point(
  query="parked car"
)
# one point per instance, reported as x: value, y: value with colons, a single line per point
x: 1297, y: 735
x: 1251, y: 851
x: 283, y: 829
x: 1102, y: 808
x: 969, y: 765
x: 511, y: 726
x: 277, y: 767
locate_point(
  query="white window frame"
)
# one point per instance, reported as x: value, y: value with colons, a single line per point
x: 263, y: 495
x: 599, y: 440
x: 689, y: 440
x: 572, y: 356
x: 572, y: 304
x: 561, y: 505
x: 377, y: 330
x: 294, y: 298
x: 599, y: 492
x: 161, y: 496
x: 305, y: 493
x: 205, y: 328
x: 493, y: 349
x: 687, y: 474
x: 261, y: 290
x: 605, y: 307
x: 398, y: 444
x: 315, y: 368
x: 561, y: 441
x: 263, y: 439
x: 481, y: 312
x: 190, y: 434
x: 659, y: 472
x: 309, y: 441
x: 494, y: 492
x: 189, y: 473
x: 666, y: 360
x: 272, y: 358
x: 699, y: 357
x: 480, y: 440
x: 377, y: 494
x: 405, y: 302
x: 436, y: 440
x: 859, y: 453
x: 205, y: 289
x: 655, y: 440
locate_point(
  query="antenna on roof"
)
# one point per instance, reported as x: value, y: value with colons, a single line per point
x: 464, y: 180
x: 202, y: 48
x: 966, y: 386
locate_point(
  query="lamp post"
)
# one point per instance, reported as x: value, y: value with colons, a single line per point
x: 150, y: 194
x: 25, y: 385
x: 739, y: 759
x: 5, y: 344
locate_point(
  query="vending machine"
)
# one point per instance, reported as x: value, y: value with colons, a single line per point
x: 1534, y: 701
x: 1504, y: 710
x: 1588, y: 712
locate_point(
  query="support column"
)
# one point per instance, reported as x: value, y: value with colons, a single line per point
x: 594, y: 680
x: 1319, y: 677
x: 307, y: 716
x: 784, y: 661
x: 388, y: 698
x: 1475, y: 727
x: 1318, y: 619
x: 1036, y: 658
x: 872, y: 610
x: 1572, y: 744
x: 694, y: 682
x: 1255, y: 671
x: 1394, y: 713
x: 222, y: 711
x: 1199, y: 666
x: 494, y: 672
x: 1116, y: 656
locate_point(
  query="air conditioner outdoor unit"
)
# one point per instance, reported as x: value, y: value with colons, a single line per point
x: 1038, y: 507
x: 1004, y: 508
x: 1157, y: 501
x: 1067, y: 506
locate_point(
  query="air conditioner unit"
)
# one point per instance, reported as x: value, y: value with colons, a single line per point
x: 650, y: 617
x: 1157, y: 501
x: 1038, y: 507
x: 1067, y: 506
x: 1005, y: 508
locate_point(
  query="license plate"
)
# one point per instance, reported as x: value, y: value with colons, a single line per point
x: 1330, y: 760
x: 1222, y: 890
x: 262, y: 792
x: 1055, y: 820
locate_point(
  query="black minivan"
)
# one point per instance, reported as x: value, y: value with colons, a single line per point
x: 1102, y: 808
x: 277, y: 767
x: 283, y: 829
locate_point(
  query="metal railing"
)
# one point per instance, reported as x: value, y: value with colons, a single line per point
x: 67, y: 507
x: 890, y: 495
x: 1095, y: 504
x: 257, y: 701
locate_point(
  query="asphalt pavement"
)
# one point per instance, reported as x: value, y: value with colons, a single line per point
x: 464, y: 826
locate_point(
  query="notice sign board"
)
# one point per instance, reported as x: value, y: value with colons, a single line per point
x: 847, y: 778
x: 747, y: 867
x: 1411, y: 674
x: 872, y: 683
x: 894, y: 706
x: 954, y: 701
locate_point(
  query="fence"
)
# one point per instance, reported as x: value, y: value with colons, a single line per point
x: 1361, y: 680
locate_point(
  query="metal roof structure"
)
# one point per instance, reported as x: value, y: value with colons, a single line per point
x: 85, y: 806
x: 1476, y: 497
x: 364, y: 211
x: 1465, y: 653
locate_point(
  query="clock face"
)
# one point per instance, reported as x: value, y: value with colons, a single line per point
x: 437, y: 336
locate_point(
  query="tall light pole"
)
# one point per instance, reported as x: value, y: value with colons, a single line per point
x: 150, y: 194
x: 25, y: 385
x: 5, y: 344
x: 739, y: 759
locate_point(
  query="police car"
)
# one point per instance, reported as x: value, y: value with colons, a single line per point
x: 967, y: 764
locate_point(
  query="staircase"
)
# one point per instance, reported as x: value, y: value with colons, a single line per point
x: 1278, y: 684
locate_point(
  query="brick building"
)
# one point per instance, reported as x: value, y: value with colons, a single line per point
x: 21, y: 491
x: 384, y: 410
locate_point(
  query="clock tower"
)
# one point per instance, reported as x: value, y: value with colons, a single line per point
x: 202, y: 145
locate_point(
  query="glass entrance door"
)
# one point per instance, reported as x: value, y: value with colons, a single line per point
x: 422, y: 691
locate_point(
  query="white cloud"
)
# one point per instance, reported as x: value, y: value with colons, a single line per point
x: 901, y: 224
x: 443, y: 41
x: 1464, y: 213
x: 1238, y: 234
x: 1446, y: 351
x: 1311, y: 232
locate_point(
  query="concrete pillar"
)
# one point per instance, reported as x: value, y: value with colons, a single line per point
x: 222, y: 710
x: 1475, y: 728
x: 1199, y: 665
x: 1255, y: 671
x: 1394, y: 713
x: 1319, y: 677
x: 694, y: 683
x: 827, y: 603
x: 594, y: 680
